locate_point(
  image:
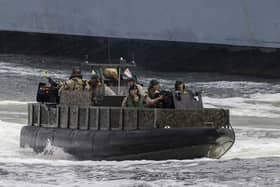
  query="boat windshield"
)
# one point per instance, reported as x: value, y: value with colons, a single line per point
x: 113, y: 77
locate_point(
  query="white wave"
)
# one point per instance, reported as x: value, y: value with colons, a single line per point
x: 10, y: 151
x: 255, y: 143
x: 29, y: 157
x: 255, y: 105
x: 266, y: 97
x: 10, y: 102
x: 52, y: 152
x: 231, y: 84
x: 135, y: 183
x: 94, y: 183
x: 25, y: 70
x: 9, y: 144
x: 208, y: 84
x: 13, y: 113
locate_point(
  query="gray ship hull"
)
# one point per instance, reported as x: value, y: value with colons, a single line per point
x: 157, y: 144
x: 239, y: 22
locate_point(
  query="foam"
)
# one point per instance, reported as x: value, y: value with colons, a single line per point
x: 9, y: 144
x: 254, y: 148
x: 10, y: 102
x: 52, y: 152
x: 253, y: 106
x: 13, y: 113
x: 266, y: 97
x: 10, y: 152
x: 230, y: 84
x: 94, y: 183
x: 255, y: 143
x: 21, y: 70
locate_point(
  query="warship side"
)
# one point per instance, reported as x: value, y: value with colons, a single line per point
x: 233, y: 37
x: 239, y: 23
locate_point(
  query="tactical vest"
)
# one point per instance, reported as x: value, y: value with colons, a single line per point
x: 131, y: 103
x: 76, y: 84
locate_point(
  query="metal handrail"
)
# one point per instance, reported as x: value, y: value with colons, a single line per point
x: 111, y: 65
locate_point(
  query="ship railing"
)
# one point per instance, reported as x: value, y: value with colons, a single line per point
x: 116, y: 118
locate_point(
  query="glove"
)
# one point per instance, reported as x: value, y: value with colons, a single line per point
x: 45, y: 74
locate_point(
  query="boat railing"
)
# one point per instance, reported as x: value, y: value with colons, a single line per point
x: 118, y: 118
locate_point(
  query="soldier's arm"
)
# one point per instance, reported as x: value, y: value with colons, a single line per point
x: 52, y: 82
x: 65, y: 85
x: 150, y: 101
x: 87, y: 85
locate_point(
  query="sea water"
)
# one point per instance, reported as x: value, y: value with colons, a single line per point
x: 254, y: 160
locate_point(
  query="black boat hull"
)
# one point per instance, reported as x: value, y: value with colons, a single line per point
x: 154, y: 144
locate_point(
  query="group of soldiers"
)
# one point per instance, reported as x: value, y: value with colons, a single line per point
x: 137, y: 96
x: 76, y: 82
x: 154, y: 97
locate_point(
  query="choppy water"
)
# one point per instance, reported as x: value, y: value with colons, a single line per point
x: 253, y: 161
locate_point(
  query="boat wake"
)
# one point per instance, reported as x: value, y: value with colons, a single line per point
x: 255, y: 143
x: 256, y: 105
x: 52, y: 152
x: 10, y: 102
x: 11, y: 152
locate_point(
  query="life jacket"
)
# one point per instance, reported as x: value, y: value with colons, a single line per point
x: 131, y: 103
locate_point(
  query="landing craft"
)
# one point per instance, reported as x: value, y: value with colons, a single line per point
x: 104, y: 130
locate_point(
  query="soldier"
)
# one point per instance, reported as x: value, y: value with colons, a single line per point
x: 154, y: 89
x: 75, y: 81
x: 132, y: 81
x: 180, y: 89
x: 180, y: 86
x: 154, y: 94
x: 96, y: 86
x: 135, y: 99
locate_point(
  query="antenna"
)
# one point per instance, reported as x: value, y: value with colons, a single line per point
x: 109, y: 50
x: 132, y: 58
x: 86, y: 58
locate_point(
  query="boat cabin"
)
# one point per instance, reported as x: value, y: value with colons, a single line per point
x: 114, y: 77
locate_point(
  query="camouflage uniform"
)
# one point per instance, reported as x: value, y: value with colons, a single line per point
x: 75, y: 83
x: 130, y: 102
